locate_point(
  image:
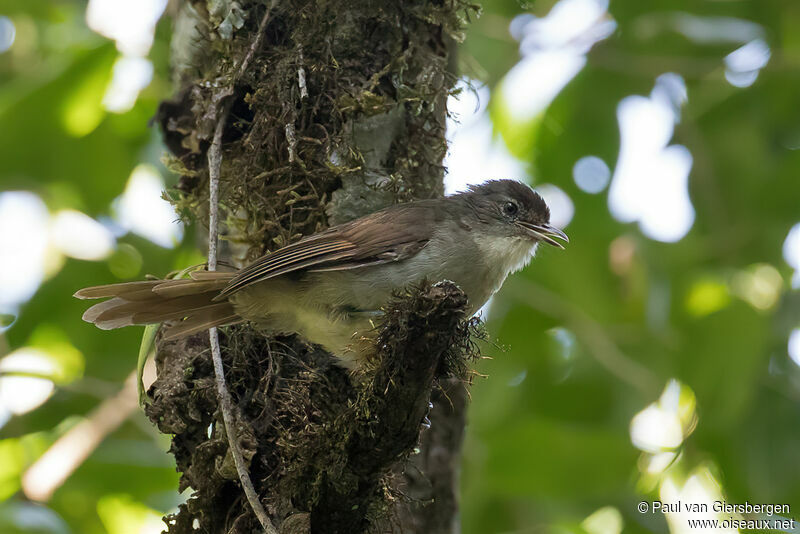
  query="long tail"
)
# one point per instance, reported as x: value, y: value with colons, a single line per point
x: 187, y: 303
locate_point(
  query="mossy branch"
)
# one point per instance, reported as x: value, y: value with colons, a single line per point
x: 415, y: 347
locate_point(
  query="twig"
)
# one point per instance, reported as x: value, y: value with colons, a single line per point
x: 226, y: 404
x: 291, y: 139
x: 214, y: 164
x: 301, y: 76
x: 221, y: 96
x: 257, y: 41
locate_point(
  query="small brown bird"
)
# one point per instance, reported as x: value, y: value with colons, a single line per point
x: 329, y: 286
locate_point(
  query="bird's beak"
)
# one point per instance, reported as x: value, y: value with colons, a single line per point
x: 544, y: 232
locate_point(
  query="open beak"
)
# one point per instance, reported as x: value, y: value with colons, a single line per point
x: 545, y: 232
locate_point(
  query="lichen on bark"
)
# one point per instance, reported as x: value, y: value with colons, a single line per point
x: 340, y: 112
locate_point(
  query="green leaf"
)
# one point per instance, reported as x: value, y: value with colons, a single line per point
x: 146, y: 347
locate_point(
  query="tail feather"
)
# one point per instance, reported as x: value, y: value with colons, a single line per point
x: 200, y: 321
x: 188, y: 303
x: 158, y: 309
x: 92, y: 315
x: 158, y: 316
x: 129, y: 290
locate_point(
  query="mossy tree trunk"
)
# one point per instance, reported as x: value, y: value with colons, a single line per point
x: 340, y: 111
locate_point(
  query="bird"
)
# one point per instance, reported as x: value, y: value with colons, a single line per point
x: 330, y: 286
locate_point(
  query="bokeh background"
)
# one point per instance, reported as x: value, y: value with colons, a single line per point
x: 658, y: 357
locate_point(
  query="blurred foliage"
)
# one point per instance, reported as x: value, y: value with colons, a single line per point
x: 594, y: 334
x: 548, y: 439
x: 59, y: 142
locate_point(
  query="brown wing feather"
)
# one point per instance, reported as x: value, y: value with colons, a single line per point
x: 389, y: 235
x: 182, y: 287
x: 283, y: 261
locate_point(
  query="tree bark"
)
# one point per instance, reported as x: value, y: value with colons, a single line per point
x: 340, y: 112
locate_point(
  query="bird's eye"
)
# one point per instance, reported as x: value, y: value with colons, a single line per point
x: 510, y: 209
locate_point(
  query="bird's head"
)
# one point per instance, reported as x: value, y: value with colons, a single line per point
x: 509, y: 208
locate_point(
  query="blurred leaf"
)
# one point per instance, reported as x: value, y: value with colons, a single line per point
x: 41, y: 152
x: 606, y: 520
x: 723, y: 369
x: 68, y: 360
x: 125, y: 262
x: 30, y: 518
x: 552, y: 459
x: 122, y: 515
x: 145, y: 348
x: 82, y: 108
x: 12, y: 460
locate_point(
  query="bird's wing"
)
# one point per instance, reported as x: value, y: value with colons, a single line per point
x: 378, y: 238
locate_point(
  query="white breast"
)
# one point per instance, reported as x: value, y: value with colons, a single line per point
x: 504, y: 256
